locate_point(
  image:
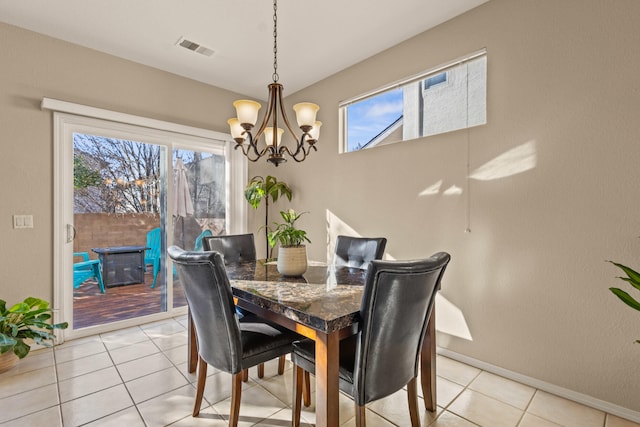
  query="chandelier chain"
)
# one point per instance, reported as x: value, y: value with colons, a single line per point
x: 275, y: 41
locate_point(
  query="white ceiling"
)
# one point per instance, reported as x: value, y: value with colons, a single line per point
x: 316, y: 38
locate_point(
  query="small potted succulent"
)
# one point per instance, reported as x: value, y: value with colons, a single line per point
x: 292, y: 253
x: 27, y: 320
x: 633, y: 278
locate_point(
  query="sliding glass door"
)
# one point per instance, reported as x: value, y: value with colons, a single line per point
x: 125, y: 193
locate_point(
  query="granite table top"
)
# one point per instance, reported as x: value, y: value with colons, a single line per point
x: 325, y: 298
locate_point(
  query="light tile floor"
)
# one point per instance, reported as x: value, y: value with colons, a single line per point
x: 138, y: 377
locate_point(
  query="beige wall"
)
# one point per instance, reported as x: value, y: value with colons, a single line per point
x: 530, y: 278
x: 35, y: 66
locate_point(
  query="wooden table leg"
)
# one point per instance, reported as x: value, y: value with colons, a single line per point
x: 327, y: 391
x: 192, y: 346
x: 428, y: 364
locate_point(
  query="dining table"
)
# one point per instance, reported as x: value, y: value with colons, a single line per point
x: 323, y: 305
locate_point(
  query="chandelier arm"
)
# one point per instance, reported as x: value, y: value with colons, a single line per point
x: 246, y: 150
x: 300, y: 149
x: 253, y: 143
x: 270, y: 110
x: 286, y: 150
x: 299, y: 144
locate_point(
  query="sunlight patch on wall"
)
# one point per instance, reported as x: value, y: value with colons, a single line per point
x: 434, y: 189
x: 517, y: 160
x: 431, y: 190
x: 452, y: 191
x: 450, y: 319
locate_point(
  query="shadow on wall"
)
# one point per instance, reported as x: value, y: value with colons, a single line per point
x: 450, y: 319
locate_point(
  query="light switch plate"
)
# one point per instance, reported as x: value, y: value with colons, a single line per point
x: 23, y: 221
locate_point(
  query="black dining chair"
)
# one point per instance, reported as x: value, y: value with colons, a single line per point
x: 225, y: 342
x: 352, y: 252
x: 358, y: 252
x: 233, y: 247
x: 238, y: 248
x: 383, y: 356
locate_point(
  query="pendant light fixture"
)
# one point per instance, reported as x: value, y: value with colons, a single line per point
x: 275, y: 121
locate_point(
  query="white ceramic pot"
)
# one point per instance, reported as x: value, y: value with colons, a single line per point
x: 292, y: 261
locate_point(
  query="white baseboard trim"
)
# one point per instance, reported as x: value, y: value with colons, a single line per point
x: 545, y: 386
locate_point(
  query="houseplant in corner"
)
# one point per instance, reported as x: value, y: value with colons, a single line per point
x: 292, y: 253
x: 633, y: 277
x: 259, y: 188
x: 27, y: 320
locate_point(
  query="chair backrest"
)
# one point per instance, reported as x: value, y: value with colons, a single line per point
x: 358, y: 252
x: 396, y: 304
x: 210, y: 301
x: 234, y: 247
x: 153, y: 243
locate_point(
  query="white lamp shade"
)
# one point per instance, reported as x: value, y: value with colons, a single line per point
x: 268, y: 135
x: 314, y: 133
x: 247, y: 111
x: 306, y: 113
x: 236, y: 129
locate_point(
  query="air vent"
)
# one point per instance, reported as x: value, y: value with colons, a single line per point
x: 195, y: 47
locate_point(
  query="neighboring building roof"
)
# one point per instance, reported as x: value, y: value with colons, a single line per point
x: 384, y: 134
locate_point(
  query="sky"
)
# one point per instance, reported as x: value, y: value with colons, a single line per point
x: 369, y: 117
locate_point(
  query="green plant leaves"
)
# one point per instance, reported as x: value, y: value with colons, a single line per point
x: 633, y: 276
x: 259, y: 188
x: 28, y: 319
x: 626, y: 298
x: 286, y: 233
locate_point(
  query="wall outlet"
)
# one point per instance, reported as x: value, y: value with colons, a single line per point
x: 23, y: 221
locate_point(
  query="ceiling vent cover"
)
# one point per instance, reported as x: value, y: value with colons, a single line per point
x: 195, y: 47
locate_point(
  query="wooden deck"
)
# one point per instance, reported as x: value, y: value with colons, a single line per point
x: 90, y: 307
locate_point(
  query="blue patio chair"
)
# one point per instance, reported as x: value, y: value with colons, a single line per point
x: 198, y: 247
x: 152, y: 255
x: 85, y: 270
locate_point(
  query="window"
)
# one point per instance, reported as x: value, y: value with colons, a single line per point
x: 447, y: 98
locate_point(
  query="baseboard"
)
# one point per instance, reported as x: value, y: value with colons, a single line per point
x: 545, y: 386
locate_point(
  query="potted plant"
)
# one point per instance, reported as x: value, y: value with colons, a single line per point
x: 258, y: 189
x: 633, y: 277
x: 27, y: 320
x: 292, y: 253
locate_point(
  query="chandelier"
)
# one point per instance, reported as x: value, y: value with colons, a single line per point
x: 272, y: 125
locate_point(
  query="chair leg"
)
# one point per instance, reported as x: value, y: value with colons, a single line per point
x: 202, y: 379
x: 98, y: 274
x: 156, y: 270
x: 245, y: 375
x: 360, y: 418
x: 307, y: 389
x: 281, y: 362
x: 412, y: 394
x: 261, y: 370
x: 236, y: 394
x: 297, y: 394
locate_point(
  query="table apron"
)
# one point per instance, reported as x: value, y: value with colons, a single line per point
x: 292, y: 325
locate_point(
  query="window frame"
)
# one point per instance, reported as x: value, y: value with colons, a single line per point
x: 416, y: 78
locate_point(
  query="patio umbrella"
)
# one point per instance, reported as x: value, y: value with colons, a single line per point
x: 182, y: 203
